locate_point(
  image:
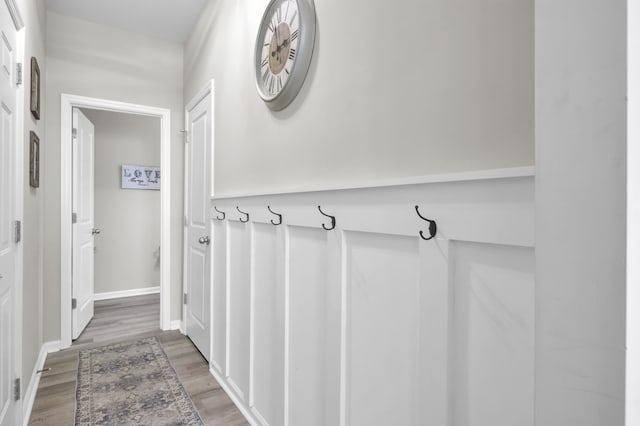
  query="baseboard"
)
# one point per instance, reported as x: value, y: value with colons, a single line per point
x: 126, y: 293
x: 248, y: 415
x: 177, y: 325
x: 54, y: 346
x: 30, y: 394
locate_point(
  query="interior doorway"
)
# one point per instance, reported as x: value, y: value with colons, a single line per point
x: 125, y: 192
x: 163, y: 115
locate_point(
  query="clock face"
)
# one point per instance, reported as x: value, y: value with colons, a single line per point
x: 283, y: 50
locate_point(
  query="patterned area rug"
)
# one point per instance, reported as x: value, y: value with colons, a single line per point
x: 133, y: 384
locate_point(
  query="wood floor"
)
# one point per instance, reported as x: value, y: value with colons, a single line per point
x: 120, y: 320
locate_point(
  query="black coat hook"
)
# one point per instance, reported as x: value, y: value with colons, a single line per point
x: 333, y: 220
x: 247, y: 214
x: 223, y: 213
x: 433, y: 228
x: 277, y: 214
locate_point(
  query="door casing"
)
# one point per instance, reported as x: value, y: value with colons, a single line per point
x: 632, y: 382
x: 18, y: 210
x: 68, y: 102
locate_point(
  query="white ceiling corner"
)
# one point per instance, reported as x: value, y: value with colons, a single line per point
x: 171, y: 20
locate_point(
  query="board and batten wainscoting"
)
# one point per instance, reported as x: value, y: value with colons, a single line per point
x: 367, y: 323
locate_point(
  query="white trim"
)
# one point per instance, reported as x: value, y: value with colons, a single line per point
x: 632, y: 399
x: 177, y: 325
x: 234, y: 397
x: 53, y: 346
x: 227, y: 290
x: 345, y: 337
x: 261, y: 420
x: 30, y: 394
x: 19, y: 173
x: 480, y: 175
x: 202, y: 93
x: 287, y: 326
x: 126, y: 293
x: 68, y: 102
x: 252, y: 320
x: 213, y: 364
x: 236, y: 389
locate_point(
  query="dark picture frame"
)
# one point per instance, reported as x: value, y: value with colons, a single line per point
x: 34, y: 160
x: 35, y: 88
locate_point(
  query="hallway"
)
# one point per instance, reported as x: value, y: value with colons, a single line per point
x: 120, y: 320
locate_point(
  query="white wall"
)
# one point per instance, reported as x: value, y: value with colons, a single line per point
x: 127, y: 253
x: 580, y: 212
x: 395, y: 89
x: 103, y: 62
x: 33, y: 13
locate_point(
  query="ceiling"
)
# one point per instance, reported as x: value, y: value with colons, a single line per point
x: 170, y: 20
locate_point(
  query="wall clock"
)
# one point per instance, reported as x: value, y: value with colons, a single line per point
x: 284, y: 47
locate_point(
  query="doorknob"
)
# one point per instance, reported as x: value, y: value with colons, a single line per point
x: 204, y: 240
x: 95, y: 231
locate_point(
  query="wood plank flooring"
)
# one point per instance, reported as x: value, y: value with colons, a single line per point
x: 121, y: 320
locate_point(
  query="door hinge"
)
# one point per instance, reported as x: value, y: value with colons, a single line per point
x: 184, y: 298
x: 17, y: 228
x: 74, y: 217
x: 18, y: 74
x: 74, y: 133
x: 16, y: 390
x: 74, y: 303
x: 186, y: 135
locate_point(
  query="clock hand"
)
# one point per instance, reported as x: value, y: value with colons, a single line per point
x: 277, y: 45
x: 284, y: 44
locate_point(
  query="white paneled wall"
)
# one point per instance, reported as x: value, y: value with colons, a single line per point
x: 367, y: 323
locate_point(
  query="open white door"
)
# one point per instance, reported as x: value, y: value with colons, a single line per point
x: 82, y: 228
x: 9, y: 414
x: 198, y: 262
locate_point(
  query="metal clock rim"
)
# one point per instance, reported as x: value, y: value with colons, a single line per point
x: 300, y: 68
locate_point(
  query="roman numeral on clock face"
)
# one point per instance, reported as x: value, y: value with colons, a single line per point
x: 292, y: 54
x: 295, y: 35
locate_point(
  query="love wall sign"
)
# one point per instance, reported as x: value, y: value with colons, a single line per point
x: 140, y: 177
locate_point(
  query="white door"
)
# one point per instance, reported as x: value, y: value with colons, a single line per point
x: 198, y: 264
x: 82, y: 229
x: 8, y: 247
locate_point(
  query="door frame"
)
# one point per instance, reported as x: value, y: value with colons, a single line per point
x: 202, y: 93
x: 68, y: 102
x: 20, y: 130
x: 632, y: 379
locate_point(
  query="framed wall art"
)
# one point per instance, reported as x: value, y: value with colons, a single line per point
x: 35, y: 88
x: 34, y: 160
x: 140, y: 177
